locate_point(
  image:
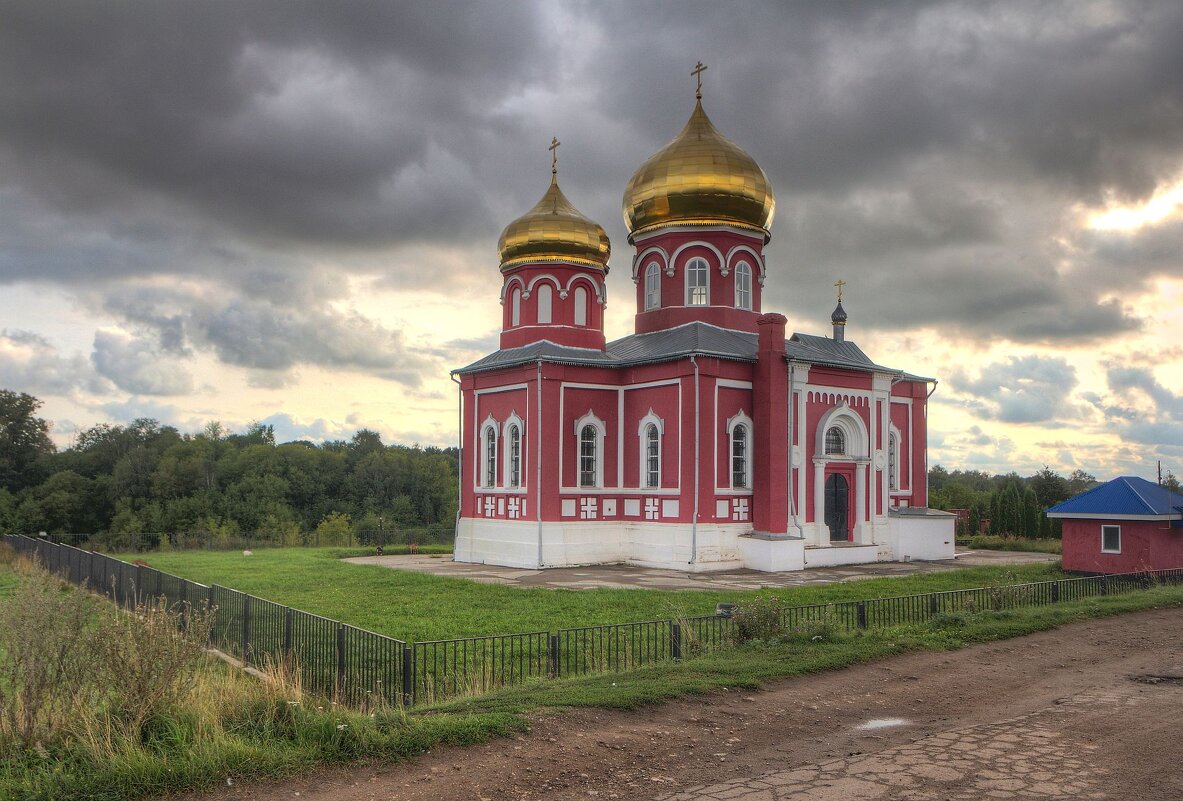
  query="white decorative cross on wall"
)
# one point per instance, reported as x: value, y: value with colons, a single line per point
x: 490, y: 506
x: 739, y: 509
x: 650, y: 508
x: 588, y: 510
x: 513, y: 508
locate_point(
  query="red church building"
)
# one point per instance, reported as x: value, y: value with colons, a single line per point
x: 709, y: 438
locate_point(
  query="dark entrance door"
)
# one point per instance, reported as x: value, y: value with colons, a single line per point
x: 837, y: 502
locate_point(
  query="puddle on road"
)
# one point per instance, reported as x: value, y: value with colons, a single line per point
x: 882, y: 723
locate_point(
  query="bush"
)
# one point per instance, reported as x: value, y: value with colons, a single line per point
x: 761, y: 618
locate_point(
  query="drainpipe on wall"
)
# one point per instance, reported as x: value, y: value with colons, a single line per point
x: 694, y: 521
x: 459, y: 457
x: 538, y: 464
x: 792, y: 432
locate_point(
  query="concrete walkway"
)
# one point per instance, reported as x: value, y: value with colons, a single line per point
x: 625, y: 576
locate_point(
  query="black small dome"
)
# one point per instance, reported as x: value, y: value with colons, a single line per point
x: 839, y: 315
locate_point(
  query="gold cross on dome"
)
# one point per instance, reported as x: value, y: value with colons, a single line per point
x: 699, y: 68
x: 840, y: 283
x: 554, y: 155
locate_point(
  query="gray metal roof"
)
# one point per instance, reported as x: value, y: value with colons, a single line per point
x: 671, y: 344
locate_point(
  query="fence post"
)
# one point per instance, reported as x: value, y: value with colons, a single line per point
x: 182, y: 603
x: 137, y: 589
x: 675, y: 640
x: 1055, y: 592
x: 211, y: 603
x: 553, y: 655
x: 341, y: 663
x: 1104, y: 585
x: 409, y: 674
x: 246, y: 630
x: 288, y: 620
x: 862, y: 614
x: 934, y: 604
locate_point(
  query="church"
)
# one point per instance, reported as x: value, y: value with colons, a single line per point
x: 708, y: 439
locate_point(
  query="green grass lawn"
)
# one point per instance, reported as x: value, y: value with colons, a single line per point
x: 1006, y: 542
x: 415, y: 606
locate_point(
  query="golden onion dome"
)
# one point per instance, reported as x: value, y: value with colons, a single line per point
x: 700, y: 178
x: 554, y: 229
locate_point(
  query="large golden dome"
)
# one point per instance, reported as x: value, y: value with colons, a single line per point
x: 700, y: 178
x: 554, y: 229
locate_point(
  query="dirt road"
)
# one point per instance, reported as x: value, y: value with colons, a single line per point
x: 1092, y: 710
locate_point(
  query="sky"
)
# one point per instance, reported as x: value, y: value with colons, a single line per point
x: 288, y: 212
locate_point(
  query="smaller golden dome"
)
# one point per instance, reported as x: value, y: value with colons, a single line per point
x: 554, y: 229
x: 699, y: 178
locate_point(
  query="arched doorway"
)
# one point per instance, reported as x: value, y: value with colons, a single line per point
x: 837, y: 506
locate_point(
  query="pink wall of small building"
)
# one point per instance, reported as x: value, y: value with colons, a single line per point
x: 1145, y: 545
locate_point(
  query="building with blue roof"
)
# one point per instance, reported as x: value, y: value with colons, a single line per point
x: 1125, y: 525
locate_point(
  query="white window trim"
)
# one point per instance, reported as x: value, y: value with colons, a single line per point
x: 489, y: 426
x: 852, y: 426
x: 650, y: 419
x: 743, y: 268
x: 894, y: 462
x: 590, y: 419
x: 653, y: 299
x: 707, y: 274
x: 1103, y: 548
x: 734, y: 422
x: 513, y: 421
x: 550, y: 304
x: 580, y: 301
x: 515, y: 307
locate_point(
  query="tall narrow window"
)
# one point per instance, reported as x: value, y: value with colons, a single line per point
x: 587, y: 456
x: 835, y: 442
x: 490, y: 456
x: 515, y: 307
x: 652, y: 287
x: 580, y: 306
x: 697, y: 278
x: 652, y: 456
x: 739, y: 457
x: 514, y: 479
x: 892, y: 451
x: 743, y: 286
x: 543, y: 293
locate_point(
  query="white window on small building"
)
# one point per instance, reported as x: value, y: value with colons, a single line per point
x: 543, y: 292
x: 515, y: 306
x: 580, y: 306
x: 835, y: 442
x: 489, y: 435
x: 652, y: 456
x: 652, y: 286
x: 698, y: 276
x: 1110, y: 539
x: 743, y: 286
x: 893, y: 450
x: 513, y: 476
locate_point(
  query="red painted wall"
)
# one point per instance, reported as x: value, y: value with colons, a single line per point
x: 1145, y: 545
x: 562, y: 328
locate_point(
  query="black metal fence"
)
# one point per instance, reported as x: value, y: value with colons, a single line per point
x: 358, y: 666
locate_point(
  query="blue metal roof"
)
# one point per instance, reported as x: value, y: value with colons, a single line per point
x: 1124, y: 495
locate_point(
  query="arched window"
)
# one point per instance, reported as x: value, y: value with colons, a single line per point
x: 697, y: 282
x: 588, y: 458
x: 743, y: 286
x: 515, y: 307
x: 514, y: 478
x: 652, y: 456
x: 740, y: 478
x: 835, y: 442
x: 490, y: 456
x: 893, y: 450
x: 652, y: 286
x: 543, y: 293
x: 580, y: 306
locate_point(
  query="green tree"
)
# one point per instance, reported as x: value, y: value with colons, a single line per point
x: 24, y: 440
x: 334, y: 529
x: 1031, y: 513
x: 1050, y: 487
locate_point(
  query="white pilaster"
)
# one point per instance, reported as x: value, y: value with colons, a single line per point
x: 860, y: 499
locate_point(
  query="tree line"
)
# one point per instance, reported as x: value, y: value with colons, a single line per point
x: 1010, y: 504
x: 146, y: 484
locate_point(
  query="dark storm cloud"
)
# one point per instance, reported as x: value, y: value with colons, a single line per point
x: 929, y: 153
